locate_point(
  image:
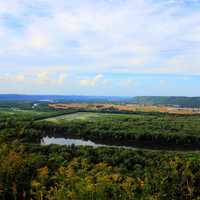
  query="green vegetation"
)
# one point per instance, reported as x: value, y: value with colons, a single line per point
x: 153, y: 128
x: 29, y: 170
x: 83, y: 116
x: 28, y: 114
x: 84, y: 173
x: 156, y: 128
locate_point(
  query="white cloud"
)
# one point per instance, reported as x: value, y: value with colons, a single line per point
x: 163, y: 82
x: 97, y: 37
x: 44, y: 77
x: 53, y: 75
x: 127, y: 83
x: 37, y: 39
x: 20, y: 78
x: 13, y: 78
x: 61, y: 78
x: 91, y: 81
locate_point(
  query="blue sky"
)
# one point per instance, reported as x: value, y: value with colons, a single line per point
x: 101, y: 47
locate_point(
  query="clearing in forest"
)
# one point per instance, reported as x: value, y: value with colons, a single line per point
x: 88, y: 116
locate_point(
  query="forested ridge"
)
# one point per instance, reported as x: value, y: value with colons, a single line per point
x: 193, y: 102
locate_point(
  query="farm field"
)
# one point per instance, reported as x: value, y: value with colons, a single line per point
x: 127, y: 107
x: 76, y: 116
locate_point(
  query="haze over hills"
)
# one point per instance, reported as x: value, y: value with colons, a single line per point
x: 152, y: 100
x: 62, y: 98
x: 168, y: 100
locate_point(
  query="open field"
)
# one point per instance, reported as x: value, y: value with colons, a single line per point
x: 85, y: 116
x: 126, y: 107
x: 89, y: 116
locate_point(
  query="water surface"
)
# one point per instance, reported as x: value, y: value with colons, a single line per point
x: 68, y: 141
x: 78, y: 142
x: 60, y: 140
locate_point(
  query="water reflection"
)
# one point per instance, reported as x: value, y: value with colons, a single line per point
x: 68, y: 141
x: 60, y: 140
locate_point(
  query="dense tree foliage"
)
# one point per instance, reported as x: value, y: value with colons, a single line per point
x: 61, y: 172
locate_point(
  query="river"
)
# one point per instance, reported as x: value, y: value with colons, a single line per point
x: 113, y: 143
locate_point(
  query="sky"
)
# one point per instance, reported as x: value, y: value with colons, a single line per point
x: 100, y: 47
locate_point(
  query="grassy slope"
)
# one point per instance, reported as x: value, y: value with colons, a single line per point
x: 90, y: 116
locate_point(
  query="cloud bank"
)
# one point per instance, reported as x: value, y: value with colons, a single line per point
x: 86, y: 41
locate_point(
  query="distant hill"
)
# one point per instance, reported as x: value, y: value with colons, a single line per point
x: 168, y: 100
x: 153, y: 100
x: 61, y: 98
